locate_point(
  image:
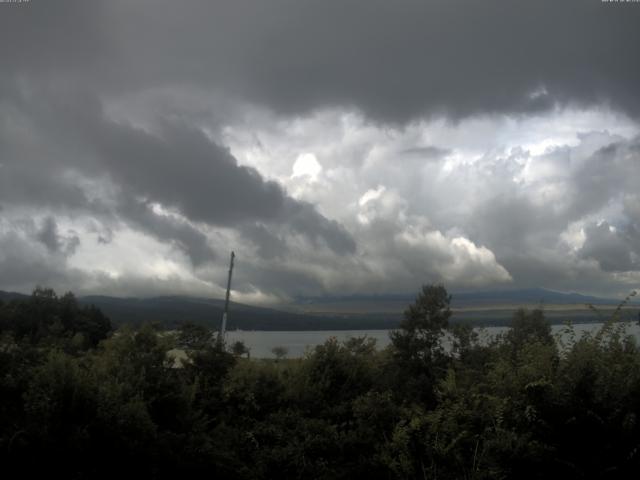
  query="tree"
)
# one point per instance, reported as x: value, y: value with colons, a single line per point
x: 529, y: 327
x: 424, y: 323
x: 416, y: 346
x: 194, y: 337
x: 45, y: 318
x: 238, y: 348
x: 280, y: 352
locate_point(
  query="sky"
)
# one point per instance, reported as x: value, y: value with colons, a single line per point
x: 338, y: 147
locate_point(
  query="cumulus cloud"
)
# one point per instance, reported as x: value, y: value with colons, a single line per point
x: 528, y: 207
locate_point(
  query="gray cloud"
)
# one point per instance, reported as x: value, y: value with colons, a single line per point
x: 25, y: 262
x: 393, y: 60
x: 615, y: 250
x: 524, y: 228
x: 428, y: 152
x: 167, y: 228
x: 119, y: 113
x: 304, y: 220
x: 70, y: 139
x: 269, y: 245
x: 49, y: 236
x: 181, y: 168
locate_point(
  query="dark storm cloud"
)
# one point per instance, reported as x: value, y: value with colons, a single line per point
x: 393, y: 60
x: 269, y: 245
x: 279, y: 279
x: 180, y: 167
x: 167, y: 228
x: 304, y: 220
x: 67, y: 137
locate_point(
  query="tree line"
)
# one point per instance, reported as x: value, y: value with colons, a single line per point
x: 81, y: 400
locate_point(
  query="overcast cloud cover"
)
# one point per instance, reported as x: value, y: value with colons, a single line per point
x: 337, y: 146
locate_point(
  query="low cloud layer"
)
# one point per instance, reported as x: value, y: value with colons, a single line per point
x: 392, y: 60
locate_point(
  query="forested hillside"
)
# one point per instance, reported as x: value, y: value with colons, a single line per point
x: 83, y: 401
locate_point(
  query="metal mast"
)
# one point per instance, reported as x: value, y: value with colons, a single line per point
x: 223, y: 327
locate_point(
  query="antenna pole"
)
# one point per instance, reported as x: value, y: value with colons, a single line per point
x: 223, y: 327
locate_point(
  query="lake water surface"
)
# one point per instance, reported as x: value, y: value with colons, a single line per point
x: 261, y: 343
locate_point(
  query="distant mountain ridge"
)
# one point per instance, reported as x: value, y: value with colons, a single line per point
x: 171, y: 311
x: 355, y: 312
x: 532, y: 295
x: 462, y: 299
x: 8, y: 296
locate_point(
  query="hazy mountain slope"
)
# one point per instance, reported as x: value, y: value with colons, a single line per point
x: 171, y: 311
x: 344, y: 313
x: 7, y: 296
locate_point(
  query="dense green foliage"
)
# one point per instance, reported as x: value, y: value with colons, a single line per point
x: 85, y: 402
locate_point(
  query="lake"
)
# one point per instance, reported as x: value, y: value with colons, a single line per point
x: 261, y: 343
